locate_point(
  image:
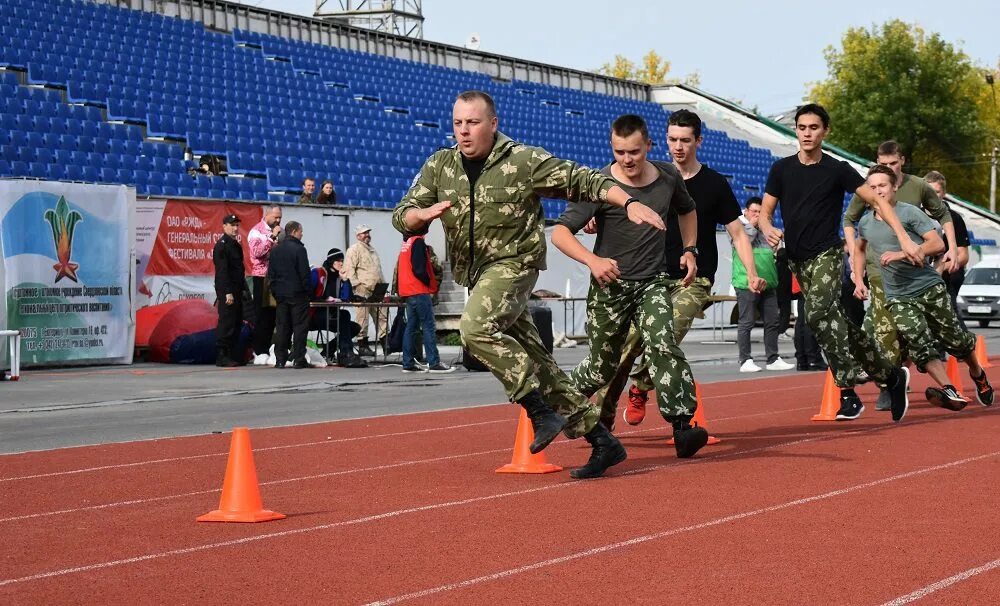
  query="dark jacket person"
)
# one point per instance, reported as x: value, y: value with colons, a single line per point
x: 290, y: 283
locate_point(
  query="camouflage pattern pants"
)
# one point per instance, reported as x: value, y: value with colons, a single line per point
x: 928, y: 322
x: 497, y: 329
x: 640, y: 311
x: 848, y: 348
x: 879, y: 322
x: 688, y: 303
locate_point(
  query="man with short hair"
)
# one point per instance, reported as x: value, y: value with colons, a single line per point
x: 749, y: 302
x: 363, y: 268
x: 911, y: 190
x: 227, y: 256
x: 260, y: 241
x: 916, y: 296
x: 810, y: 186
x: 487, y: 192
x: 690, y: 264
x: 308, y: 189
x: 630, y: 292
x: 953, y: 279
x: 291, y: 283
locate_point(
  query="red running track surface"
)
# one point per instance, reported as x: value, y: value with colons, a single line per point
x: 408, y: 509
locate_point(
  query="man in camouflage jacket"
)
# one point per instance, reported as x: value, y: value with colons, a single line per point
x: 487, y: 192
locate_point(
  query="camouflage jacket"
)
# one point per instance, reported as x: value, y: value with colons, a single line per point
x: 503, y: 219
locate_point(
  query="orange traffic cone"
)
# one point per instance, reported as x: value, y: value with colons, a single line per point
x: 831, y: 400
x: 240, y: 500
x: 699, y: 417
x: 954, y: 375
x: 523, y: 461
x: 981, y: 355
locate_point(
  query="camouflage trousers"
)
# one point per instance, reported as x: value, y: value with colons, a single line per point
x: 879, y: 322
x: 497, y: 329
x: 928, y: 323
x: 848, y: 348
x: 688, y: 303
x: 640, y: 311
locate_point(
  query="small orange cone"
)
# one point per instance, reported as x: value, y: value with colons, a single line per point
x: 699, y: 417
x: 831, y: 400
x: 954, y: 375
x: 240, y: 500
x: 523, y: 461
x: 981, y: 354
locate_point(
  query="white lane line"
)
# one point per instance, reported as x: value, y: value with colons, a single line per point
x: 281, y: 447
x: 423, y: 508
x: 338, y: 473
x: 943, y: 583
x: 316, y: 443
x: 674, y: 531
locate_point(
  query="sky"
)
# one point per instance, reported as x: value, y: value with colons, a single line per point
x: 764, y: 54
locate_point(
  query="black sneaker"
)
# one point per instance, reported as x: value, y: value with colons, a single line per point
x: 898, y: 386
x: 850, y: 407
x: 279, y: 364
x: 688, y: 440
x: 947, y: 397
x: 301, y: 363
x: 411, y: 369
x: 984, y: 391
x: 440, y: 368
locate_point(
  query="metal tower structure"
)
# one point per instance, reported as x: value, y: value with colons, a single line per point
x: 399, y: 17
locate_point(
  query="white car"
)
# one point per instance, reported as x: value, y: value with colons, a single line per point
x: 979, y: 297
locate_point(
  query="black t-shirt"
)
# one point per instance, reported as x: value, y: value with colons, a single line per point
x: 961, y: 231
x: 716, y: 205
x: 638, y: 249
x: 812, y: 202
x: 473, y: 168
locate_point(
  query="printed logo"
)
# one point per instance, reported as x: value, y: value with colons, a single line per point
x: 63, y: 222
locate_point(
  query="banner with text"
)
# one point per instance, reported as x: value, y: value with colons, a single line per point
x: 174, y: 242
x: 68, y: 270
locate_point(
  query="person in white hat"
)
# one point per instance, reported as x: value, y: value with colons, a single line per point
x: 363, y: 268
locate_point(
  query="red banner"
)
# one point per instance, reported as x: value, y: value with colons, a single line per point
x: 189, y: 230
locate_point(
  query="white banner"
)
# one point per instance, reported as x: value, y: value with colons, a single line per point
x: 68, y: 270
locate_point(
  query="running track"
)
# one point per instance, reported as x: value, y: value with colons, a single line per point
x: 407, y: 509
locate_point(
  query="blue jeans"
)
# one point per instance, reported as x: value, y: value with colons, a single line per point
x: 420, y: 313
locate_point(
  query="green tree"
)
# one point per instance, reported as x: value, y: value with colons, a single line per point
x: 895, y: 81
x: 653, y: 70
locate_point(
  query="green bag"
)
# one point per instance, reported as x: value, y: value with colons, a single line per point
x: 766, y: 266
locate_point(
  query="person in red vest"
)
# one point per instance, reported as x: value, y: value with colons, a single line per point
x: 416, y: 285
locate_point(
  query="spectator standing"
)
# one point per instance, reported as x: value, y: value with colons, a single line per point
x: 327, y: 196
x: 227, y: 256
x: 291, y: 283
x: 749, y: 301
x: 416, y: 285
x: 261, y: 240
x: 308, y: 189
x: 363, y: 269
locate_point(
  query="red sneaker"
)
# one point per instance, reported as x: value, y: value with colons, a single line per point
x: 635, y: 412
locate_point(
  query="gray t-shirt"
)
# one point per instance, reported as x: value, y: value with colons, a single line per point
x: 638, y: 249
x: 900, y: 278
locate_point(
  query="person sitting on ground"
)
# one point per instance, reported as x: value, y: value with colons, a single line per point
x: 916, y: 295
x: 327, y: 195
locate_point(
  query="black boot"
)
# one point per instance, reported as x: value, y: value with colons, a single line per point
x: 545, y: 422
x: 607, y: 451
x: 223, y: 360
x: 687, y: 439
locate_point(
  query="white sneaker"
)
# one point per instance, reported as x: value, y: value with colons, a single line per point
x: 780, y: 364
x: 749, y: 366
